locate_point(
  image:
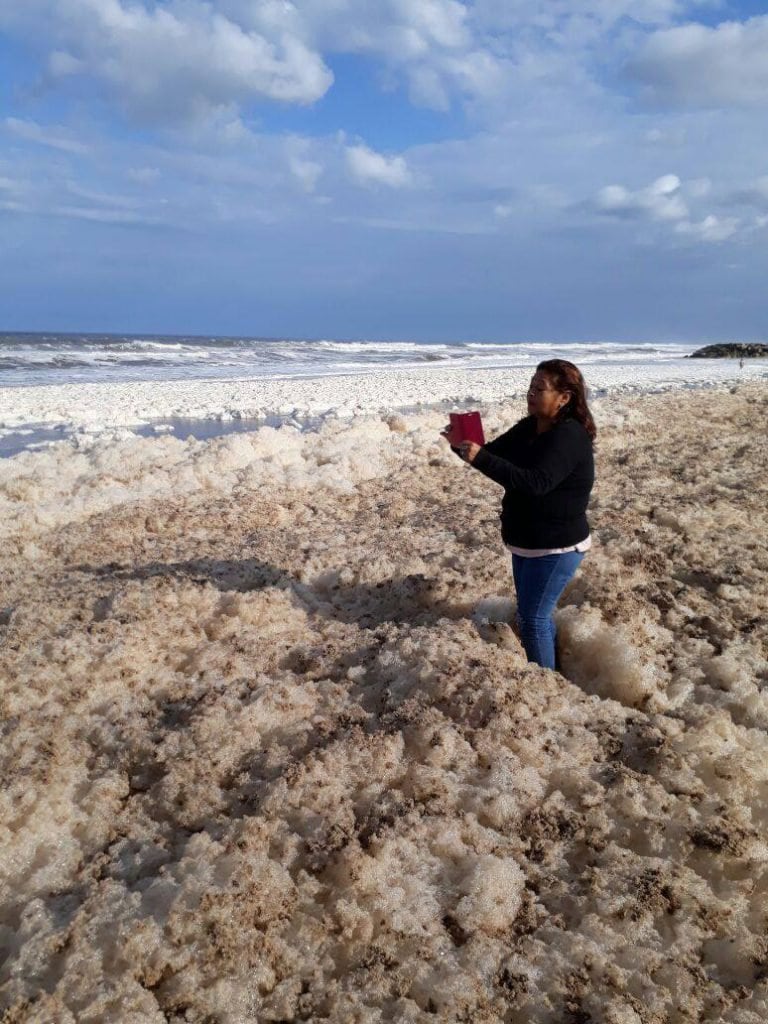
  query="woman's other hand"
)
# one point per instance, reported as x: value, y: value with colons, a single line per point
x: 468, y: 450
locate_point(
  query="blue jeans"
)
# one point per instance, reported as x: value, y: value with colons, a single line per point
x: 539, y: 582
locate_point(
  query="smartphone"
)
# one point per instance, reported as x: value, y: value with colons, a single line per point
x: 465, y: 426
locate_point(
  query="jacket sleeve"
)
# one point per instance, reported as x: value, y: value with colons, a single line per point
x: 560, y: 454
x: 497, y: 446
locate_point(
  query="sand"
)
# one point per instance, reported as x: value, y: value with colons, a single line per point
x: 272, y: 752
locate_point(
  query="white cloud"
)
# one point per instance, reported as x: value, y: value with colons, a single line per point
x: 54, y: 137
x: 710, y: 229
x: 12, y: 206
x: 699, y: 187
x: 187, y: 61
x: 184, y: 60
x: 436, y: 45
x: 440, y: 22
x: 61, y: 64
x: 755, y: 194
x: 397, y: 29
x: 669, y: 137
x: 479, y: 73
x: 101, y: 199
x: 441, y: 50
x: 576, y: 18
x: 695, y: 65
x: 428, y: 89
x: 103, y: 216
x: 306, y: 172
x: 661, y: 200
x: 367, y: 167
x: 180, y: 61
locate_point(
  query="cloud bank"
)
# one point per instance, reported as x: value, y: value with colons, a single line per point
x: 696, y: 65
x: 495, y: 138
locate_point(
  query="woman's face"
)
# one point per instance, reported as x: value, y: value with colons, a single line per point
x: 544, y: 401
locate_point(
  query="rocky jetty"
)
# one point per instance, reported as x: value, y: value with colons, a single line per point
x: 732, y: 350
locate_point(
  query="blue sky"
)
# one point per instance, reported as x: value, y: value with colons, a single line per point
x: 426, y: 169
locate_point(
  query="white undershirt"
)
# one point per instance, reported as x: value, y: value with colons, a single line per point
x: 582, y: 546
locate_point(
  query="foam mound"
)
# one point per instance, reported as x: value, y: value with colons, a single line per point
x: 272, y: 751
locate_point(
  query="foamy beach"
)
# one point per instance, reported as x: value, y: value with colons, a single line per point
x: 271, y: 747
x: 273, y: 753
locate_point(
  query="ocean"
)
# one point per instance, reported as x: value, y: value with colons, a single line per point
x: 38, y: 359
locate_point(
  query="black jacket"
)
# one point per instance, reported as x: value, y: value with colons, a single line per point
x: 547, y: 479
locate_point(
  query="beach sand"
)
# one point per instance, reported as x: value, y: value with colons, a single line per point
x: 271, y: 751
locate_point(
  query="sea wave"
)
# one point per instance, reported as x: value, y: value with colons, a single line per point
x: 56, y: 359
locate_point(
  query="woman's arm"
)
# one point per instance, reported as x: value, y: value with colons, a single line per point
x: 560, y: 452
x: 497, y: 446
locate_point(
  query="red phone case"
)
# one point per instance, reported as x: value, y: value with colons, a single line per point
x: 466, y: 426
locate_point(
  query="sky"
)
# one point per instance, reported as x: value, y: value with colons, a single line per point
x: 497, y: 170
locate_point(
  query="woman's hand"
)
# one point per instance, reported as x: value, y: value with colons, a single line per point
x: 468, y: 450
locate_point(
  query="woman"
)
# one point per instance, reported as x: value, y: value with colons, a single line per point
x: 545, y: 464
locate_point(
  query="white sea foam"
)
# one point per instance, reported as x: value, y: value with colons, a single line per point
x: 99, y: 406
x: 271, y: 750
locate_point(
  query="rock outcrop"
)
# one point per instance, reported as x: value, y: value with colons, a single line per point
x: 732, y: 350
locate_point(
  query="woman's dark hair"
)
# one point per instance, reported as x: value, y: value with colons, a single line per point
x: 567, y: 379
